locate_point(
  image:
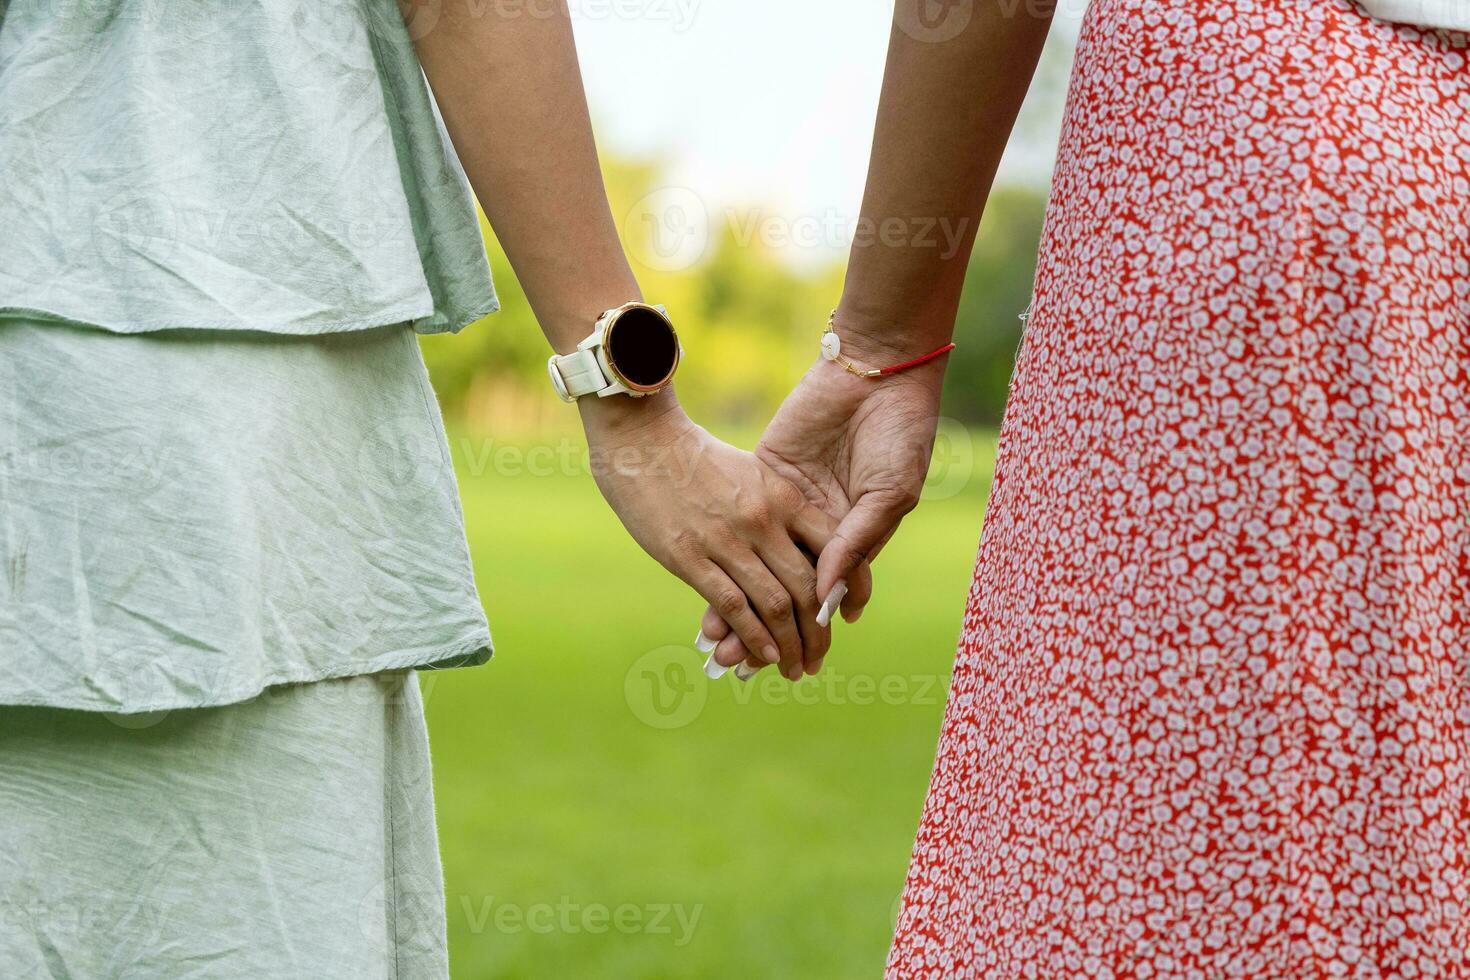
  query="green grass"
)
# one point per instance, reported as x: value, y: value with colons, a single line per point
x: 575, y: 832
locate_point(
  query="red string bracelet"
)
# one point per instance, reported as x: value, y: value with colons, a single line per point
x: 832, y: 351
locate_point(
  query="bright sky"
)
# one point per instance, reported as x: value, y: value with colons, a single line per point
x: 768, y: 102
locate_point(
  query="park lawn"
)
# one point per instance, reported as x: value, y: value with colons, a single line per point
x: 606, y: 812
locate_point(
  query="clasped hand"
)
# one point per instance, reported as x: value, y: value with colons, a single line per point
x: 766, y: 537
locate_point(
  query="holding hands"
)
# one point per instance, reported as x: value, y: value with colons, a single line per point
x: 776, y: 540
x: 735, y: 529
x: 857, y: 449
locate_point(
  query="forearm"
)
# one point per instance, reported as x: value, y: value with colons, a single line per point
x: 946, y: 111
x: 510, y: 91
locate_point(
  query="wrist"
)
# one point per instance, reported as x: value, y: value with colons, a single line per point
x: 568, y: 317
x: 875, y: 352
x: 620, y: 419
x: 874, y: 340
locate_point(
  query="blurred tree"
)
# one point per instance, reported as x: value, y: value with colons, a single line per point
x: 997, y: 292
x: 749, y: 320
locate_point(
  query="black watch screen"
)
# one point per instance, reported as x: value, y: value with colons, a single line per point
x: 642, y: 348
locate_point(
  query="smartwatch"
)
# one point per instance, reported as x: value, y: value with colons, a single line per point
x: 633, y: 350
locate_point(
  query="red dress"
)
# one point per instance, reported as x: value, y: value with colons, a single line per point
x: 1211, y: 711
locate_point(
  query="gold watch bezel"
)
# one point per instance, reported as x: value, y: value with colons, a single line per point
x: 612, y: 365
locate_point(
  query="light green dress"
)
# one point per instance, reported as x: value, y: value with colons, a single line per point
x: 271, y: 165
x: 286, y: 838
x: 228, y: 524
x: 189, y: 517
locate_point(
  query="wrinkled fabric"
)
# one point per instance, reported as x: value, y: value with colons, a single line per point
x: 1448, y: 14
x: 289, y: 836
x: 269, y: 165
x: 189, y: 517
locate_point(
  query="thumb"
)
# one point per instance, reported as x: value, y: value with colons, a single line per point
x: 859, y: 534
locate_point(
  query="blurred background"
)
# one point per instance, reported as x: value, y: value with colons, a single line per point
x: 604, y: 810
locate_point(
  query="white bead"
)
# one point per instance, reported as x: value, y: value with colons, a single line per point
x: 831, y: 346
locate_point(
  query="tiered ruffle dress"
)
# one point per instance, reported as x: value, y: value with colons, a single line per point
x: 222, y: 470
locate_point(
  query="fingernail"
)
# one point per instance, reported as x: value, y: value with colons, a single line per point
x: 834, y: 599
x: 714, y: 671
x: 703, y: 643
x: 745, y: 671
x: 771, y: 655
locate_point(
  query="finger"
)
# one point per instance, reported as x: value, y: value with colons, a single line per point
x: 729, y: 600
x: 774, y: 605
x: 798, y: 575
x: 873, y: 518
x: 730, y: 650
x: 859, y: 592
x: 733, y: 651
x: 815, y: 528
x: 861, y: 581
x: 712, y: 629
x: 746, y: 670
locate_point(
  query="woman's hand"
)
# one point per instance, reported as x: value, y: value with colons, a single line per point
x: 719, y: 519
x: 858, y: 449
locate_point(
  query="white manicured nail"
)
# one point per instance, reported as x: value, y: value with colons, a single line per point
x: 714, y: 671
x: 834, y: 599
x: 745, y: 671
x: 703, y: 643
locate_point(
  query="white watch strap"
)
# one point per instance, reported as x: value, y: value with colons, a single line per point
x: 581, y: 373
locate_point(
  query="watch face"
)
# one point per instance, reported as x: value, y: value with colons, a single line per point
x: 642, y: 348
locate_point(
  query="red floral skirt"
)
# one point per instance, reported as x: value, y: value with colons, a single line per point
x: 1211, y: 711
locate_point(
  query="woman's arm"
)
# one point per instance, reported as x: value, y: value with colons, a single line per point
x: 945, y: 115
x: 859, y: 448
x: 510, y: 91
x: 944, y: 118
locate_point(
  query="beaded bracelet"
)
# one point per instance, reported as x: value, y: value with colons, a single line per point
x: 832, y: 351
